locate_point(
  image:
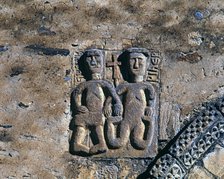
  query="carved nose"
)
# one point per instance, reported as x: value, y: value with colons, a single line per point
x: 93, y: 61
x: 136, y: 65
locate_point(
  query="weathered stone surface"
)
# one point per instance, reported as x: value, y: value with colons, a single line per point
x: 169, y: 120
x: 36, y: 84
x: 199, y: 173
x: 214, y: 161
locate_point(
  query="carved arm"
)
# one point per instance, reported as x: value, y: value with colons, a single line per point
x: 150, y: 96
x: 118, y: 108
x: 77, y: 95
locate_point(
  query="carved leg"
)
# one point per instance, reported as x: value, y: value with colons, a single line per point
x: 78, y: 140
x: 151, y: 130
x: 138, y: 135
x: 101, y: 146
x: 114, y: 141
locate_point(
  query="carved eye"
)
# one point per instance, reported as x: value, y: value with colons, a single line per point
x: 88, y: 58
x: 98, y: 61
x: 140, y: 61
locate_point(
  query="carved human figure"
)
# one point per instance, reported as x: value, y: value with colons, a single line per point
x: 89, y: 98
x: 138, y: 100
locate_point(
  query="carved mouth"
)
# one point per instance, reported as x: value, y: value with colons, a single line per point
x: 136, y: 71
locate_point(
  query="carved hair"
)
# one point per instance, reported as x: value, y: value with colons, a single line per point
x: 93, y: 52
x: 138, y: 50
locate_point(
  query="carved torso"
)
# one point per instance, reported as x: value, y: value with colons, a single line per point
x: 134, y: 102
x: 94, y: 96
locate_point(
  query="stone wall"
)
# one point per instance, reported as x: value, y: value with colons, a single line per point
x: 39, y: 41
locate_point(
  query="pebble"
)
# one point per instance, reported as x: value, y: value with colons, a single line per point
x: 198, y: 15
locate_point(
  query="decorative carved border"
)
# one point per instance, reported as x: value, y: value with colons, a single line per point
x: 191, y: 144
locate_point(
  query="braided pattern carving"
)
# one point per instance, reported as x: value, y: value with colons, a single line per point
x: 205, y: 130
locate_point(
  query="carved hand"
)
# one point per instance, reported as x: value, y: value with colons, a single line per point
x: 148, y: 111
x: 107, y: 111
x: 118, y: 110
x: 82, y: 109
x: 147, y: 117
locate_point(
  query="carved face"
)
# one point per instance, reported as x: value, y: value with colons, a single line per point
x: 137, y: 64
x: 95, y: 63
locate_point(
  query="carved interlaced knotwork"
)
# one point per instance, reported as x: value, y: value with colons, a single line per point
x: 192, y: 143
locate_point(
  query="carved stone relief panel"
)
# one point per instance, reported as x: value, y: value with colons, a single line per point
x: 115, y: 103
